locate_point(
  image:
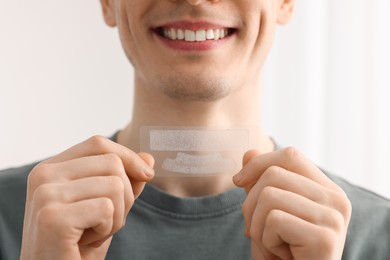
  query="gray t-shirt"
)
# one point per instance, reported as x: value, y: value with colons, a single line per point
x: 161, y: 226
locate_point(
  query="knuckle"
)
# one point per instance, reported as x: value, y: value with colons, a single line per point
x: 291, y: 153
x: 339, y: 200
x: 337, y: 221
x: 39, y: 174
x: 345, y: 207
x: 268, y: 193
x: 273, y: 219
x: 117, y: 184
x: 107, y: 207
x: 114, y: 162
x: 97, y: 143
x: 45, y: 193
x: 272, y: 173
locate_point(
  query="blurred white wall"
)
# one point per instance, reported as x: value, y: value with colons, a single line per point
x: 63, y: 78
x: 327, y: 88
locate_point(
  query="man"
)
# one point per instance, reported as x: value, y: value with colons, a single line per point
x: 196, y: 66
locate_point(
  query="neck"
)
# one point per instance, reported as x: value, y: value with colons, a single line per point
x: 239, y: 109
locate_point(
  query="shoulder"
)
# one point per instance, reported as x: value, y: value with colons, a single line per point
x: 13, y: 185
x: 14, y: 177
x: 359, y: 195
x: 361, y: 198
x: 369, y: 229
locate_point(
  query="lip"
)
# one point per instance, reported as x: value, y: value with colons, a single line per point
x: 194, y: 26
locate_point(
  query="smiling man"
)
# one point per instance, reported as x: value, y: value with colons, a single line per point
x: 197, y: 66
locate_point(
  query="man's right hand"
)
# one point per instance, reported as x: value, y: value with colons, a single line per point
x: 78, y: 199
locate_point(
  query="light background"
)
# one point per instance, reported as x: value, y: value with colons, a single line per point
x: 326, y: 86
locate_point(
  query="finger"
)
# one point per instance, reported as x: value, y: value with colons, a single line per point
x: 110, y: 187
x: 79, y: 168
x: 68, y: 221
x: 289, y: 159
x: 294, y: 204
x: 273, y: 243
x: 148, y: 158
x: 305, y: 240
x: 98, y: 228
x: 139, y: 186
x: 134, y: 165
x: 249, y: 155
x: 279, y: 178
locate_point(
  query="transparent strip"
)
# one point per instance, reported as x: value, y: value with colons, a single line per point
x: 194, y: 152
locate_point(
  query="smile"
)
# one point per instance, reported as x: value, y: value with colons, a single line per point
x: 194, y: 35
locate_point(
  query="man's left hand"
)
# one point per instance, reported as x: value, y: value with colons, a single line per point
x: 292, y: 210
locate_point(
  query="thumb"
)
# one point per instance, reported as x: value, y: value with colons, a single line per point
x: 248, y: 156
x: 138, y: 186
x: 148, y: 158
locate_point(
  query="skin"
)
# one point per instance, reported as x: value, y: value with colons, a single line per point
x: 77, y: 200
x: 288, y: 197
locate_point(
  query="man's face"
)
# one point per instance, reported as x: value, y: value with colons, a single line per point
x: 196, y: 49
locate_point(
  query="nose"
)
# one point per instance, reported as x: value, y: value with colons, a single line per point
x: 197, y: 2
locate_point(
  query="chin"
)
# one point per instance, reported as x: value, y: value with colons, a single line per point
x: 195, y: 88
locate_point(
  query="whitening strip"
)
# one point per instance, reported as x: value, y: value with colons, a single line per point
x: 191, y: 152
x: 197, y: 140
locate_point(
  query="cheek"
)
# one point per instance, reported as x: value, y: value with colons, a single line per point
x: 261, y: 35
x: 131, y: 30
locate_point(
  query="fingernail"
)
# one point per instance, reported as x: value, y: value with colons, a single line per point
x: 149, y: 172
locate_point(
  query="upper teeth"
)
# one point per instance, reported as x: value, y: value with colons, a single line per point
x: 192, y: 36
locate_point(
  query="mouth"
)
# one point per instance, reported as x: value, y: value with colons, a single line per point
x: 193, y: 36
x: 188, y: 35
